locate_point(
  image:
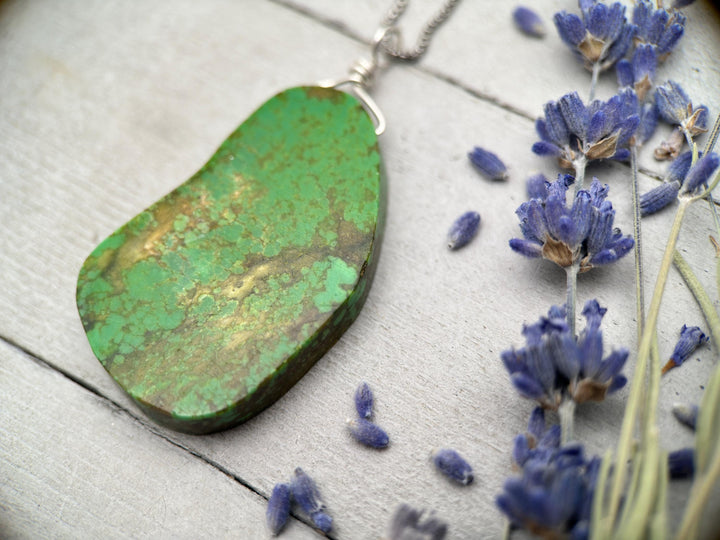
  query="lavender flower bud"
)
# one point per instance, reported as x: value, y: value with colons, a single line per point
x: 364, y: 401
x: 463, y: 229
x: 686, y: 414
x: 367, y: 433
x: 681, y: 463
x: 658, y: 198
x: 691, y: 337
x: 648, y: 123
x: 452, y: 465
x: 537, y: 186
x: 306, y: 493
x: 678, y: 169
x: 278, y: 509
x: 407, y: 524
x: 701, y: 172
x: 488, y: 164
x: 322, y: 521
x: 528, y: 21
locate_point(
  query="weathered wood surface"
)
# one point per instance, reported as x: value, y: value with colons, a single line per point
x: 107, y: 106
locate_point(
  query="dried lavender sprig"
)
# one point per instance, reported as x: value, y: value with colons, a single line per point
x: 278, y: 510
x: 364, y: 401
x: 453, y: 465
x: 463, y: 230
x: 367, y: 433
x: 529, y: 22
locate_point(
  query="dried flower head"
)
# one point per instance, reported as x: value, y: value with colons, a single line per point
x: 463, y: 230
x: 364, y: 400
x: 676, y: 108
x: 582, y: 234
x: 537, y: 440
x: 488, y: 164
x: 658, y: 27
x: 571, y: 131
x: 409, y: 524
x: 367, y: 433
x: 554, y: 364
x: 528, y: 22
x: 553, y: 497
x: 638, y: 73
x: 691, y: 337
x: 278, y: 510
x: 601, y: 37
x: 453, y: 465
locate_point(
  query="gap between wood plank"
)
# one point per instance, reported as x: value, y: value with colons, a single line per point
x: 143, y: 423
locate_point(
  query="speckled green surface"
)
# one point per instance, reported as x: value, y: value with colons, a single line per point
x: 210, y: 304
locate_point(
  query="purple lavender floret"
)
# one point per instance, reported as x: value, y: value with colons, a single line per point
x: 453, y: 465
x: 322, y: 521
x: 658, y: 198
x: 701, y: 173
x: 658, y: 27
x: 572, y: 131
x: 364, y: 401
x: 681, y: 463
x: 691, y: 337
x: 553, y: 497
x: 278, y: 510
x: 638, y: 73
x: 367, y: 433
x: 537, y: 186
x: 409, y: 524
x: 601, y: 37
x: 463, y: 230
x: 686, y: 414
x: 555, y: 364
x: 488, y: 164
x: 537, y: 440
x: 306, y: 493
x: 676, y: 108
x: 581, y: 234
x: 528, y: 21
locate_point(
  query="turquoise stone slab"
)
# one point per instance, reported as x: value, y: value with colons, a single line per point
x: 209, y: 305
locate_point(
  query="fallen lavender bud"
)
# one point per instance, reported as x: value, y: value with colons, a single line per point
x: 406, y: 524
x: 463, y: 230
x: 364, y: 401
x: 528, y: 22
x: 488, y: 164
x: 452, y: 465
x: 681, y: 463
x: 691, y: 337
x: 278, y: 509
x: 686, y: 414
x: 658, y: 198
x: 367, y: 433
x: 322, y: 521
x: 306, y: 493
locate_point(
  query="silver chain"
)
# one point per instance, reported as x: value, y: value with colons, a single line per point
x: 392, y: 42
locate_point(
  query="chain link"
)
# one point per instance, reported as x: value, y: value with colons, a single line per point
x: 392, y: 43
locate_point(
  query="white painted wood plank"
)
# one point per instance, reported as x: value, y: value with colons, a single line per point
x: 110, y: 108
x: 74, y: 466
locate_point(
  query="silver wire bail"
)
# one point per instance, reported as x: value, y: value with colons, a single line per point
x: 363, y: 70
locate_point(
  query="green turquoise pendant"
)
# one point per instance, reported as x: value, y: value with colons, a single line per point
x: 209, y: 305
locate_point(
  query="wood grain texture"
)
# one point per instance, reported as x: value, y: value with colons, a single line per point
x: 107, y: 106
